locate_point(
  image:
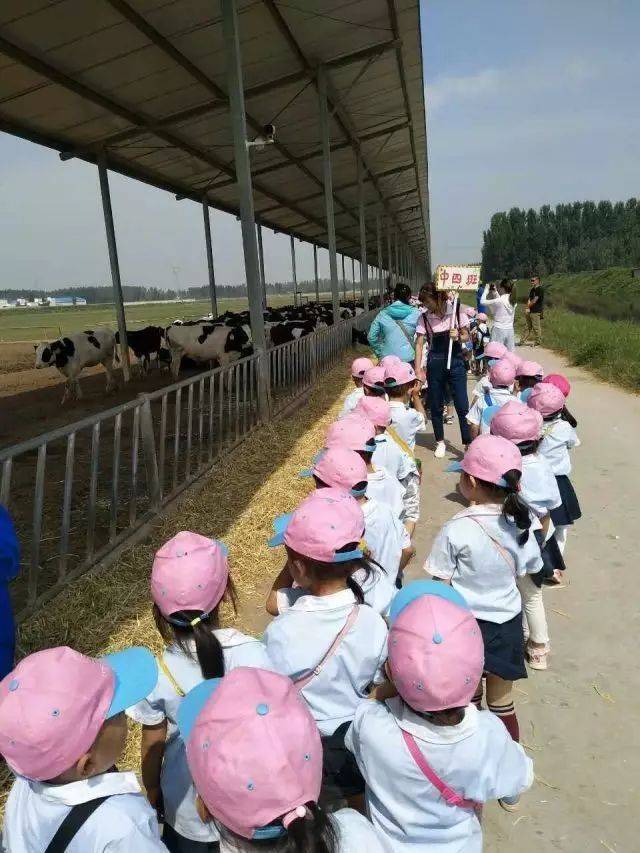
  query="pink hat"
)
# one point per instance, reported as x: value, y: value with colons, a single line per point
x: 530, y: 368
x: 436, y: 654
x: 322, y: 525
x: 495, y: 350
x: 387, y: 360
x: 488, y: 458
x: 353, y: 432
x: 546, y: 399
x: 253, y: 749
x: 374, y: 377
x: 360, y: 365
x: 342, y: 468
x: 54, y: 703
x: 469, y: 310
x: 375, y: 409
x: 502, y: 373
x: 560, y: 382
x: 481, y: 317
x: 517, y: 422
x: 399, y: 374
x: 513, y: 358
x: 190, y: 572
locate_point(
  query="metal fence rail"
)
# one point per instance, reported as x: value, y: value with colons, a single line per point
x: 79, y: 492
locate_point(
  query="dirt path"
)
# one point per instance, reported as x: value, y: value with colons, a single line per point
x: 579, y: 718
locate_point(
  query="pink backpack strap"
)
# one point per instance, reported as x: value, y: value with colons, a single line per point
x: 450, y: 796
x: 506, y: 556
x: 301, y: 683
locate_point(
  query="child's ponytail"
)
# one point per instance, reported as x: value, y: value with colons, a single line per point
x: 566, y: 415
x: 515, y: 507
x: 314, y: 833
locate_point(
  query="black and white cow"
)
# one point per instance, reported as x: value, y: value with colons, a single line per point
x: 79, y: 350
x: 145, y: 344
x: 206, y: 342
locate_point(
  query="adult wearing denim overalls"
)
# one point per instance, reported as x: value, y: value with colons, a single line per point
x: 9, y: 566
x: 393, y: 330
x: 436, y: 327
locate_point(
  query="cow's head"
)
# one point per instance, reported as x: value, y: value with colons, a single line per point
x: 45, y: 355
x: 237, y: 339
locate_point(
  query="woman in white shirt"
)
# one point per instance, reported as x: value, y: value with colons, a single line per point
x: 501, y: 302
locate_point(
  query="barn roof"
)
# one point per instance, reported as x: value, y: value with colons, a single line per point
x: 144, y: 81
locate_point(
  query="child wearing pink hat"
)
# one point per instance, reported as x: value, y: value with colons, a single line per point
x: 407, y: 746
x: 358, y: 368
x: 388, y: 544
x: 357, y: 433
x: 502, y: 376
x: 528, y: 374
x: 523, y: 426
x: 331, y: 644
x: 481, y: 552
x: 189, y: 581
x: 373, y: 382
x: 256, y: 758
x: 62, y: 730
x: 558, y: 438
x: 403, y: 389
x: 480, y: 339
x: 493, y: 352
x: 562, y: 383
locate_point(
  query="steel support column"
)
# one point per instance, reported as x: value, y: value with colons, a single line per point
x: 245, y: 192
x: 263, y: 281
x: 353, y: 277
x: 397, y: 257
x: 389, y: 262
x: 209, y: 248
x: 294, y: 272
x: 364, y: 267
x: 379, y: 240
x: 315, y: 271
x: 344, y: 279
x: 327, y: 179
x: 114, y: 264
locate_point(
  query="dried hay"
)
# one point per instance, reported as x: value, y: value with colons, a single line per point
x: 236, y: 503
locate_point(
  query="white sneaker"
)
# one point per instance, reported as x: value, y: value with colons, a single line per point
x: 440, y: 450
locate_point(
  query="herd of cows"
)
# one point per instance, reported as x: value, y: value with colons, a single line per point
x: 184, y: 342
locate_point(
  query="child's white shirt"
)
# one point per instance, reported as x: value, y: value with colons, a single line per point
x: 538, y: 485
x: 385, y: 536
x: 406, y: 421
x: 123, y: 823
x: 388, y: 454
x: 384, y: 487
x: 299, y: 637
x: 477, y: 759
x: 464, y: 554
x: 351, y: 401
x: 483, y: 384
x: 499, y: 396
x: 558, y: 438
x: 177, y: 788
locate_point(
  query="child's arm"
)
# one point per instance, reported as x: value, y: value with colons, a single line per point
x: 152, y: 753
x: 416, y: 399
x: 283, y: 581
x: 419, y: 351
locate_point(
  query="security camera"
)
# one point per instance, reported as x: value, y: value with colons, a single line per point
x: 267, y: 137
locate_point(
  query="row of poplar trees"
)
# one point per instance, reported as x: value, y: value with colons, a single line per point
x: 574, y: 237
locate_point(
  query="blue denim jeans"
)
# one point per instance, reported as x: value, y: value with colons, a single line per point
x: 438, y: 376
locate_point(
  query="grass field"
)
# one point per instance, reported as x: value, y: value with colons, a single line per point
x: 40, y: 324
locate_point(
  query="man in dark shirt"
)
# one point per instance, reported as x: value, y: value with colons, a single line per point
x: 534, y: 312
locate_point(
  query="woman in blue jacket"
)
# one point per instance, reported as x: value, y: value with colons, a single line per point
x: 393, y: 330
x: 9, y: 566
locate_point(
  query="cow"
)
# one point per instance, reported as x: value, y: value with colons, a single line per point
x: 146, y: 345
x: 293, y: 330
x: 79, y: 350
x: 206, y: 342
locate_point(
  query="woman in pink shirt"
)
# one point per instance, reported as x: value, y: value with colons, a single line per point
x: 435, y: 325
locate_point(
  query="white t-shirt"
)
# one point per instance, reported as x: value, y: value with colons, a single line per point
x: 558, y: 438
x: 355, y: 834
x: 464, y: 554
x: 499, y: 396
x: 388, y: 454
x: 477, y: 759
x: 351, y: 401
x: 501, y: 309
x: 385, y: 488
x: 483, y: 384
x: 407, y: 422
x: 123, y: 823
x: 177, y: 788
x: 385, y: 536
x: 298, y: 639
x: 538, y: 485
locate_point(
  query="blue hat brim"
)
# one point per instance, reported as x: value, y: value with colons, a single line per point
x: 524, y: 395
x: 492, y: 361
x: 489, y: 413
x: 417, y: 589
x: 308, y: 472
x: 193, y: 703
x: 280, y: 524
x: 135, y: 673
x: 370, y: 446
x: 454, y: 467
x: 358, y: 493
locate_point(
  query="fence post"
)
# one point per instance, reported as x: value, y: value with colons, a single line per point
x: 264, y: 386
x: 149, y: 450
x: 314, y: 356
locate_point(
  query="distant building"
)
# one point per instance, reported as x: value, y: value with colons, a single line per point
x: 62, y: 301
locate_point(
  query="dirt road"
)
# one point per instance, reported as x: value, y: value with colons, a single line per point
x: 580, y: 718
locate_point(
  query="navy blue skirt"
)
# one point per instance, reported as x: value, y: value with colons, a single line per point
x: 569, y: 511
x: 504, y: 648
x: 552, y: 559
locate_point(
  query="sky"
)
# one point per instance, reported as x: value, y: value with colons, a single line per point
x: 527, y: 104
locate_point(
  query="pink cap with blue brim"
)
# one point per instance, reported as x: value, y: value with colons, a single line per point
x: 488, y: 458
x: 375, y: 409
x: 340, y: 468
x: 517, y: 422
x: 359, y: 367
x: 546, y: 399
x: 353, y: 432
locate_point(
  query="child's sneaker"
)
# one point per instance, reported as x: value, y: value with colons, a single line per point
x: 441, y: 450
x: 537, y: 657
